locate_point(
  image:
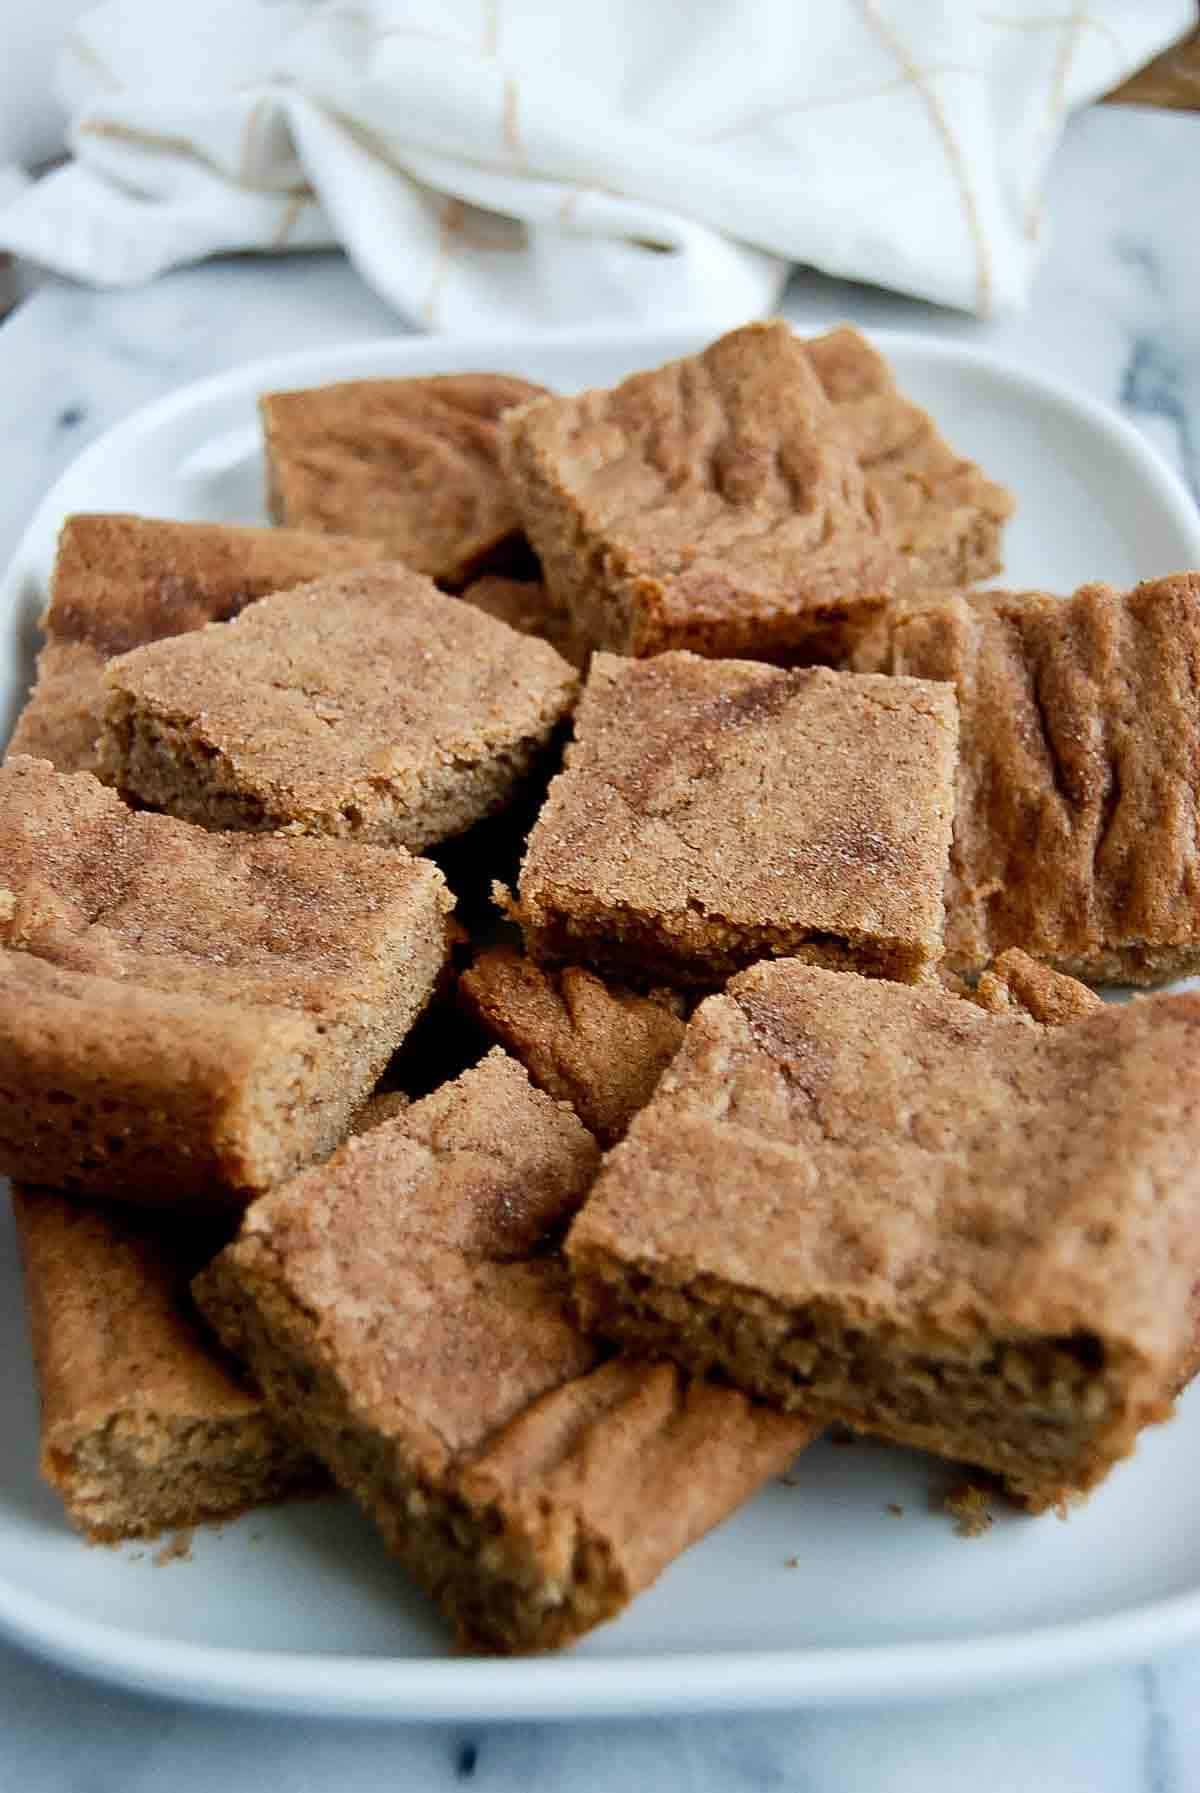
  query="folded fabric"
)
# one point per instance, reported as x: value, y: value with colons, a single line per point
x: 495, y: 165
x: 32, y: 121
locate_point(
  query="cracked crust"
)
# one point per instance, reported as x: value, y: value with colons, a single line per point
x: 892, y: 1208
x: 711, y: 813
x: 413, y: 463
x: 710, y: 504
x: 186, y: 1016
x: 1078, y: 810
x: 405, y: 1311
x: 122, y: 581
x: 946, y: 515
x: 598, y: 1046
x: 369, y: 706
x: 757, y: 500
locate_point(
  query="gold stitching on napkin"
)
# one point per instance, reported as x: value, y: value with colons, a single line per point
x: 951, y: 145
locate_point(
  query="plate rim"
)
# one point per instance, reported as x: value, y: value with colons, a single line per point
x: 572, y: 1686
x: 568, y: 1687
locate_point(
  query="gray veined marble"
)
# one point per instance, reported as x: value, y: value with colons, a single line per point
x: 1115, y: 313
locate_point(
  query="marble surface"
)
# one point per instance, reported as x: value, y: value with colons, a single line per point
x: 1115, y: 314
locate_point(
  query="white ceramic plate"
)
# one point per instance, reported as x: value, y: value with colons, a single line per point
x: 819, y: 1591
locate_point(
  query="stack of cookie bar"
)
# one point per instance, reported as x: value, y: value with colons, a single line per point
x: 563, y: 967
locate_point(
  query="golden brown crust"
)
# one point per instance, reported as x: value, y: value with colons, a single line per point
x: 413, y: 463
x: 598, y: 1046
x: 405, y: 1312
x: 714, y: 812
x: 526, y: 606
x: 603, y: 1482
x: 186, y: 1015
x: 485, y: 1166
x: 890, y: 1207
x: 144, y: 1423
x: 756, y: 500
x: 122, y: 581
x: 1019, y: 985
x: 63, y: 713
x: 709, y: 504
x: 306, y: 713
x: 946, y: 515
x: 379, y: 1108
x: 1078, y: 810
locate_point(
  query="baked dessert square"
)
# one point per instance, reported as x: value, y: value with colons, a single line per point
x: 711, y: 813
x: 413, y: 463
x: 369, y: 706
x: 1077, y: 826
x: 893, y: 1208
x: 757, y: 500
x: 601, y: 1047
x: 526, y: 606
x: 122, y: 581
x: 710, y: 504
x: 1015, y: 984
x: 946, y: 516
x: 146, y: 1424
x: 185, y: 1016
x: 405, y: 1310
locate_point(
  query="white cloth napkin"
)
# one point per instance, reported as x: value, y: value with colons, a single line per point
x: 490, y: 166
x: 32, y: 122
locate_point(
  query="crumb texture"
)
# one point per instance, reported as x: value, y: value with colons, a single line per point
x: 146, y: 1425
x: 969, y: 1505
